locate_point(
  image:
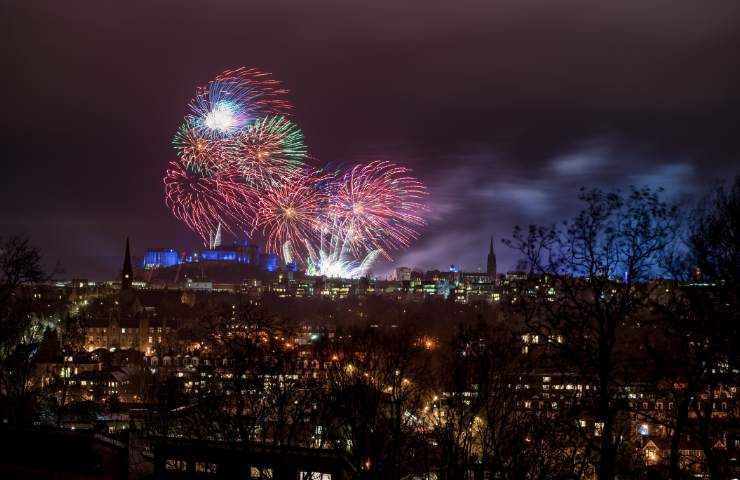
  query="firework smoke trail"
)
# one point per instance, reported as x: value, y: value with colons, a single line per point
x: 234, y: 99
x: 269, y: 151
x: 205, y: 202
x: 378, y: 205
x: 292, y: 211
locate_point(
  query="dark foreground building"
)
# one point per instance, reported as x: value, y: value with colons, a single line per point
x: 181, y: 458
x: 36, y: 453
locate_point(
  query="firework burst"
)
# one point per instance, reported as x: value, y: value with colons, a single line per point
x: 378, y: 206
x: 204, y: 203
x: 201, y: 154
x: 269, y: 151
x: 291, y: 211
x: 234, y: 99
x: 243, y: 166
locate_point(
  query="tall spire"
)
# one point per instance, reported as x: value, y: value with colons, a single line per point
x: 127, y: 273
x: 491, y: 264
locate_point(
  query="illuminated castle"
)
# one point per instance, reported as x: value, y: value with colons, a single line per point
x: 244, y: 253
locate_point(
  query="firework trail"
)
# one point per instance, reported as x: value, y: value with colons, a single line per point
x: 205, y: 202
x: 378, y: 207
x: 235, y: 99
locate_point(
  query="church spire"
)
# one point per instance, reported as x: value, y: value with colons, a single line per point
x: 127, y: 274
x: 491, y: 264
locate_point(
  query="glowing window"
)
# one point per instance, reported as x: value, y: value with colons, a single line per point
x: 257, y: 472
x: 205, y: 467
x: 175, y: 465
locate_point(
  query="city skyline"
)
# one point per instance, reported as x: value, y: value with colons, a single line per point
x: 503, y: 135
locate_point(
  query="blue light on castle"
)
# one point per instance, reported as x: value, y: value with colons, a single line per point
x: 240, y: 252
x: 161, y: 258
x: 269, y: 262
x: 219, y: 255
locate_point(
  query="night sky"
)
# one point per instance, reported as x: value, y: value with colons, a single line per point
x: 504, y: 108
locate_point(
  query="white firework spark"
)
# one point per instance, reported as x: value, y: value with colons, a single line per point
x: 333, y: 258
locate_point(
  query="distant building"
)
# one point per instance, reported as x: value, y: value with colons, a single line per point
x: 403, y: 274
x: 205, y: 285
x: 269, y: 262
x: 190, y: 458
x: 160, y: 258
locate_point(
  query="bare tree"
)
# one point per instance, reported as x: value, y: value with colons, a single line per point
x: 590, y: 283
x: 20, y: 265
x: 702, y: 328
x: 71, y: 335
x: 374, y: 393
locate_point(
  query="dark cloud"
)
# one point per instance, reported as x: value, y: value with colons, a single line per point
x: 504, y: 108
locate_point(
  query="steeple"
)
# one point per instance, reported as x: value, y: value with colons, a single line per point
x: 491, y: 264
x: 127, y: 274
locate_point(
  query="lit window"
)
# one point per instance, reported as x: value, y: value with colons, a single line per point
x: 205, y: 467
x: 313, y: 476
x: 257, y: 472
x: 175, y: 465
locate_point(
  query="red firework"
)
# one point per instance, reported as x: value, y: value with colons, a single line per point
x: 203, y: 202
x: 268, y: 92
x: 291, y: 211
x: 378, y: 206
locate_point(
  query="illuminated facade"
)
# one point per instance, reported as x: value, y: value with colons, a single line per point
x: 160, y: 258
x: 239, y: 252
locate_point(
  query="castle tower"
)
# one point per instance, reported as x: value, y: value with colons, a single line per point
x: 491, y: 264
x: 127, y: 273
